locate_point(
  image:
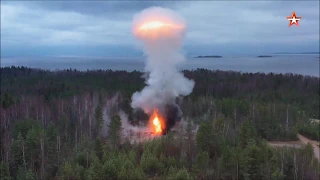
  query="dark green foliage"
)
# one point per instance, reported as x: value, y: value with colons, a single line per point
x: 4, y: 171
x: 6, y: 100
x: 98, y: 116
x: 178, y: 174
x: 247, y: 134
x: 51, y: 146
x: 95, y: 171
x: 137, y: 173
x: 150, y: 163
x: 205, y: 137
x: 253, y: 161
x: 202, y: 162
x: 285, y: 88
x: 229, y: 162
x: 17, y: 148
x: 23, y: 128
x: 115, y: 130
x: 219, y: 126
x: 25, y: 175
x: 311, y: 130
x: 98, y: 148
x: 109, y: 170
x: 71, y: 171
x: 276, y: 175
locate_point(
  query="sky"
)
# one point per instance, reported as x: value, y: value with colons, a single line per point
x: 103, y: 28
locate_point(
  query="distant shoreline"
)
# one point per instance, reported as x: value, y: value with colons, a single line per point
x: 302, y: 53
x: 142, y: 71
x: 211, y: 56
x: 263, y: 56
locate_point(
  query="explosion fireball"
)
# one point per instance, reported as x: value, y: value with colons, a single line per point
x: 154, y: 25
x: 157, y: 125
x: 161, y: 32
x: 157, y: 24
x: 154, y: 29
x: 157, y: 121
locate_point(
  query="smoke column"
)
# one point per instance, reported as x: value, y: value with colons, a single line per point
x: 161, y: 32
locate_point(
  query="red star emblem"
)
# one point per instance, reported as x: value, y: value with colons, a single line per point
x: 294, y: 19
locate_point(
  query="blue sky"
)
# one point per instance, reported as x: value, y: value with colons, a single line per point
x: 103, y: 28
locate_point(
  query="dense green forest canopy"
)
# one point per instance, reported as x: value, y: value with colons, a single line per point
x: 53, y: 126
x: 300, y: 90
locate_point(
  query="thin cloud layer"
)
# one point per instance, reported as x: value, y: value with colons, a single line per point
x: 44, y: 27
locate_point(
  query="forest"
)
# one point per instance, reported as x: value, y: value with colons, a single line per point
x: 66, y: 124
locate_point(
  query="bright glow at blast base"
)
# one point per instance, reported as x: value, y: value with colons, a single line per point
x: 157, y: 124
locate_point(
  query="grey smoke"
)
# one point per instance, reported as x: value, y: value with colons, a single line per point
x: 110, y: 105
x: 105, y: 125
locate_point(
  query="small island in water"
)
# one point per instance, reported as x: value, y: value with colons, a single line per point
x: 215, y: 56
x: 263, y: 56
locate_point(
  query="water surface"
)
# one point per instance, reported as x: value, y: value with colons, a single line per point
x: 297, y: 64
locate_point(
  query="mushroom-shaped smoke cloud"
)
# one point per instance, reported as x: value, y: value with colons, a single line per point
x: 161, y: 32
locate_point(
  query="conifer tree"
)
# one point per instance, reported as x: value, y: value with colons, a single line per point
x: 247, y: 133
x: 99, y: 117
x: 205, y: 137
x: 115, y: 131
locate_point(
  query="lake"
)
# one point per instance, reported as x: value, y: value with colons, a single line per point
x: 297, y: 64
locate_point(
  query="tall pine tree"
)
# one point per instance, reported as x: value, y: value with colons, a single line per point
x: 115, y: 131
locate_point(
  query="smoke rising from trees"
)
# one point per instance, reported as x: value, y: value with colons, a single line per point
x: 162, y: 46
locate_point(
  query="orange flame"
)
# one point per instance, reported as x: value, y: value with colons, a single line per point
x: 157, y: 125
x: 157, y: 122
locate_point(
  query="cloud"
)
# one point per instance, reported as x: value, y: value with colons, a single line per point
x: 244, y: 24
x: 250, y: 22
x: 25, y: 25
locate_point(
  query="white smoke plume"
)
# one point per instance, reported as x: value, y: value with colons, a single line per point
x: 126, y: 125
x: 161, y: 32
